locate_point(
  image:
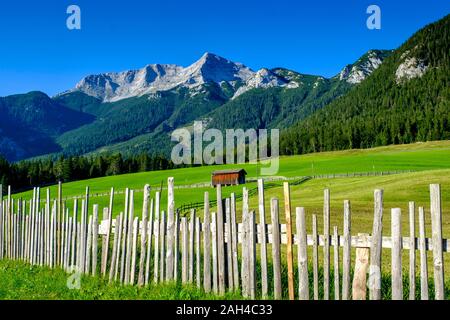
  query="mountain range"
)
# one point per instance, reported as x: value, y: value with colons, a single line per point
x: 135, y: 111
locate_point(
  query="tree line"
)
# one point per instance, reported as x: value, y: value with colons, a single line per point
x: 42, y: 172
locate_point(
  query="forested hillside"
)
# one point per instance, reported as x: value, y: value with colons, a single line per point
x: 405, y: 100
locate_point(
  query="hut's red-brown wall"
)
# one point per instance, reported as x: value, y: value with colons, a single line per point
x: 225, y: 179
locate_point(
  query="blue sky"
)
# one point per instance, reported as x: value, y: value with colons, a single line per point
x: 38, y: 52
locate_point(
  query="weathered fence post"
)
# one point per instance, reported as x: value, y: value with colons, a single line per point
x: 326, y: 244
x: 191, y: 245
x: 197, y: 252
x: 144, y: 234
x: 234, y: 235
x: 220, y: 242
x: 184, y: 250
x: 276, y: 248
x: 263, y: 237
x: 156, y: 230
x: 252, y: 254
x: 134, y: 250
x: 116, y: 244
x: 151, y: 227
x: 315, y: 258
x: 162, y: 237
x: 359, y: 290
x: 229, y: 244
x: 108, y: 232
x: 346, y: 259
x: 124, y: 236
x: 206, y: 245
x: 303, y: 287
x: 336, y: 263
x: 176, y: 246
x: 245, y: 247
x: 214, y: 251
x: 436, y: 227
x: 423, y: 256
x: 412, y: 252
x: 396, y: 264
x: 289, y: 254
x: 95, y: 240
x: 170, y: 228
x: 105, y: 244
x: 376, y: 247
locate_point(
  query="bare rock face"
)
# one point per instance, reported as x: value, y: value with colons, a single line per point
x: 364, y: 67
x: 153, y: 78
x: 409, y: 69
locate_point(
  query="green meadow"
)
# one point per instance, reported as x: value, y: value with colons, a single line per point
x: 414, y: 157
x: 427, y: 162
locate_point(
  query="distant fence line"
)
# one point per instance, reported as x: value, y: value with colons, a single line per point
x: 251, y: 179
x: 218, y: 252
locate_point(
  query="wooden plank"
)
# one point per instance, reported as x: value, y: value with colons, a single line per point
x: 197, y: 252
x: 144, y: 234
x: 359, y: 289
x: 263, y: 236
x: 336, y: 263
x: 289, y: 254
x: 214, y: 252
x: 396, y: 264
x: 302, y: 255
x: 376, y: 247
x: 229, y: 244
x: 234, y: 239
x: 346, y: 258
x: 94, y: 240
x: 412, y: 252
x: 149, y: 244
x: 326, y: 246
x: 191, y: 246
x: 252, y: 254
x: 315, y: 258
x: 436, y: 229
x: 423, y: 257
x: 276, y: 254
x: 162, y: 247
x: 220, y: 241
x: 170, y: 228
x: 206, y: 245
x: 134, y: 250
x: 156, y: 230
x: 184, y: 250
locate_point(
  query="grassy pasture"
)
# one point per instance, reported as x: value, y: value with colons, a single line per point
x: 430, y: 161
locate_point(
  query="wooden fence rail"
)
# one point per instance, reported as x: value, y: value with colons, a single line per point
x: 216, y: 252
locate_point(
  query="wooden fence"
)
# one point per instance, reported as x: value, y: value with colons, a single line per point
x: 218, y: 253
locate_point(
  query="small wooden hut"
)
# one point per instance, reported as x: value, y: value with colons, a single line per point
x: 228, y: 177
